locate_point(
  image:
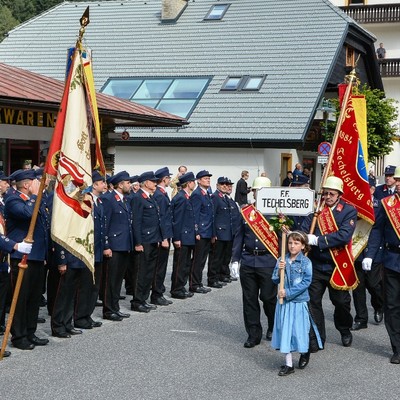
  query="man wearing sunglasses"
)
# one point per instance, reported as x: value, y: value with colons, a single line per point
x: 345, y: 217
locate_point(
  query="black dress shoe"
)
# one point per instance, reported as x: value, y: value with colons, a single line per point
x: 347, y: 340
x: 286, y: 371
x: 74, y: 331
x: 160, y: 301
x: 359, y: 325
x: 7, y: 353
x: 99, y: 303
x: 215, y: 285
x: 37, y: 341
x: 23, y: 344
x: 122, y: 297
x: 96, y: 324
x: 378, y: 316
x: 304, y: 359
x: 249, y: 343
x: 123, y: 315
x: 233, y: 279
x: 226, y: 280
x: 189, y: 294
x: 150, y: 306
x: 43, y: 302
x: 140, y: 308
x: 314, y: 346
x: 268, y: 336
x: 180, y: 295
x: 395, y: 359
x: 61, y: 335
x: 41, y: 320
x: 86, y: 326
x: 112, y: 317
x: 199, y: 289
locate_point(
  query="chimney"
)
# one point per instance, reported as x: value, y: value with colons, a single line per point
x: 172, y: 9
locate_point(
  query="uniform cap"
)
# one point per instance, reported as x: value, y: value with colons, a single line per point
x: 188, y: 177
x: 22, y: 174
x: 299, y: 180
x: 96, y: 176
x: 162, y: 173
x: 224, y: 179
x: 39, y: 173
x: 147, y: 176
x: 134, y: 179
x: 389, y: 170
x: 202, y: 173
x: 119, y: 177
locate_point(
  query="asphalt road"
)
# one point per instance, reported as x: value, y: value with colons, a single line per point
x: 193, y: 349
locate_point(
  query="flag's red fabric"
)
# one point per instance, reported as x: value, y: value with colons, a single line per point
x: 348, y: 164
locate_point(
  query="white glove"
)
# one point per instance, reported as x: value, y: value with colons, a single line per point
x: 366, y: 264
x: 235, y: 269
x: 25, y: 248
x: 312, y: 240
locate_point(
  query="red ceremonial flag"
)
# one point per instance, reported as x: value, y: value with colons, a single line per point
x: 69, y: 159
x: 348, y: 163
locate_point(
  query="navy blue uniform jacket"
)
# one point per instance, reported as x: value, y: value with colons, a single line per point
x: 18, y: 212
x: 146, y: 219
x: 391, y: 242
x: 223, y: 216
x: 244, y: 243
x: 203, y: 213
x: 183, y: 222
x: 164, y: 204
x: 119, y: 235
x: 100, y: 239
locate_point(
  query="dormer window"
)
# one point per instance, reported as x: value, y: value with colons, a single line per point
x: 217, y: 12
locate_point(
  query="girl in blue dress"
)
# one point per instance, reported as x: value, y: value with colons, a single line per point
x: 292, y: 318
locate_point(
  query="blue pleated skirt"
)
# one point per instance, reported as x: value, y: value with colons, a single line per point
x: 291, y: 327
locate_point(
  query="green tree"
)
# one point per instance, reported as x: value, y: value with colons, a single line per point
x: 7, y: 21
x: 381, y: 116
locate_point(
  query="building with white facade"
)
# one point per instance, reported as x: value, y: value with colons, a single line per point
x: 382, y: 18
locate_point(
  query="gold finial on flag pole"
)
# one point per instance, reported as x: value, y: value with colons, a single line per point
x: 84, y: 23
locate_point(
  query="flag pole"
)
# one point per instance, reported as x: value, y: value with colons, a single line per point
x: 23, y: 265
x: 282, y: 270
x: 351, y: 78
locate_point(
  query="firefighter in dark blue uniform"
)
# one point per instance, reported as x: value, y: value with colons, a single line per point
x: 164, y: 204
x: 221, y: 250
x: 204, y: 216
x: 391, y: 262
x: 18, y: 212
x: 256, y: 267
x: 371, y: 280
x: 388, y: 188
x: 184, y: 236
x: 119, y: 239
x: 345, y: 217
x: 147, y: 237
x: 88, y: 290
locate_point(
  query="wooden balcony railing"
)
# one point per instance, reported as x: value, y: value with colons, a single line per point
x: 375, y: 13
x: 389, y: 67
